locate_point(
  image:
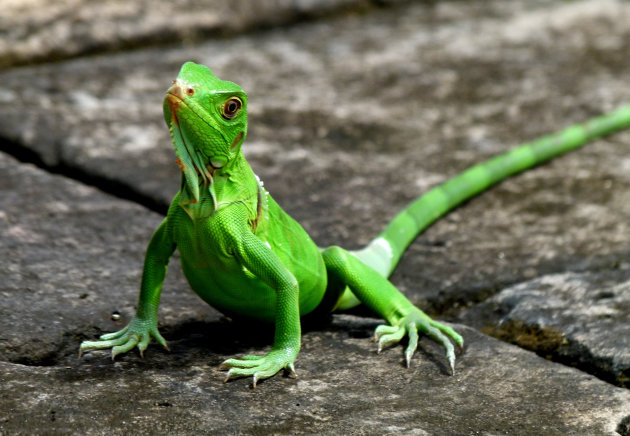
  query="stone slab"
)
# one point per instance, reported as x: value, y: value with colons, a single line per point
x: 579, y: 319
x: 354, y: 116
x: 342, y: 110
x: 343, y: 388
x: 71, y: 259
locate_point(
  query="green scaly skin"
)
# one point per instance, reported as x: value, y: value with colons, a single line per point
x: 245, y: 256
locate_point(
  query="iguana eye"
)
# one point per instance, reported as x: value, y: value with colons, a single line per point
x: 231, y: 107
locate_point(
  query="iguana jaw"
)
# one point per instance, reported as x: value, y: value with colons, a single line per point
x: 195, y: 166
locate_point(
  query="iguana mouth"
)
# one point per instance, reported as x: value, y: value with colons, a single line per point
x: 188, y: 157
x: 201, y: 164
x: 195, y: 166
x: 209, y: 168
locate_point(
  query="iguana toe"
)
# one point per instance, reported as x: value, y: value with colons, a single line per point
x: 392, y: 337
x: 259, y: 367
x: 412, y: 331
x: 132, y: 341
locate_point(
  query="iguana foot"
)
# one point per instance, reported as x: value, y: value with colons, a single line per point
x: 137, y: 333
x: 260, y: 367
x: 409, y: 325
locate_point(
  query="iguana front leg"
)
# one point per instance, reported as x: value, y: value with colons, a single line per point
x: 261, y: 261
x: 380, y: 295
x: 143, y: 325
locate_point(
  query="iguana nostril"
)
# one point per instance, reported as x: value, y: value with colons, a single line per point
x: 175, y: 90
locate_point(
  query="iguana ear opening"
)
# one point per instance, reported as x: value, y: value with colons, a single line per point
x: 235, y: 147
x: 236, y: 144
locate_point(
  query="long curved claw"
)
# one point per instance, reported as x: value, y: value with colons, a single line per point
x: 388, y: 339
x: 257, y: 372
x: 261, y: 375
x: 143, y: 344
x: 160, y: 340
x: 237, y: 372
x: 439, y: 337
x: 451, y: 333
x: 291, y: 368
x: 412, y: 331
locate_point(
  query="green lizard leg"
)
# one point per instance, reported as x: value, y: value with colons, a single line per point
x: 378, y: 293
x: 262, y: 262
x: 143, y: 326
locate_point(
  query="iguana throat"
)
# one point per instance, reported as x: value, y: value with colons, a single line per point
x: 196, y: 171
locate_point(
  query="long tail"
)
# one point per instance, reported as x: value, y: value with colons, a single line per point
x: 384, y: 252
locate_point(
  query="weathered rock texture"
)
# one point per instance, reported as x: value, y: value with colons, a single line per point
x: 579, y: 319
x: 353, y: 113
x: 71, y: 260
x: 348, y: 389
x: 36, y: 30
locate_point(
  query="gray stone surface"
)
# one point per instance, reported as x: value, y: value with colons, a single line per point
x: 343, y: 388
x: 579, y: 319
x: 40, y: 30
x: 71, y: 257
x: 352, y: 116
x: 74, y: 259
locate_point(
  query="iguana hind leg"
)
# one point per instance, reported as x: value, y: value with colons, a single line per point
x: 380, y: 295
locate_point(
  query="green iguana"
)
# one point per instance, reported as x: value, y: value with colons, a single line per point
x: 245, y: 256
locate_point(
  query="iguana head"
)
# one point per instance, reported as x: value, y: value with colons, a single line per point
x: 207, y: 118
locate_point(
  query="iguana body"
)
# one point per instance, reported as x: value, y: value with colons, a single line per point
x: 245, y: 256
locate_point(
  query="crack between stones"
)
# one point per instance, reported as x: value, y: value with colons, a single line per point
x: 624, y: 426
x: 549, y: 344
x: 110, y: 186
x: 579, y: 358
